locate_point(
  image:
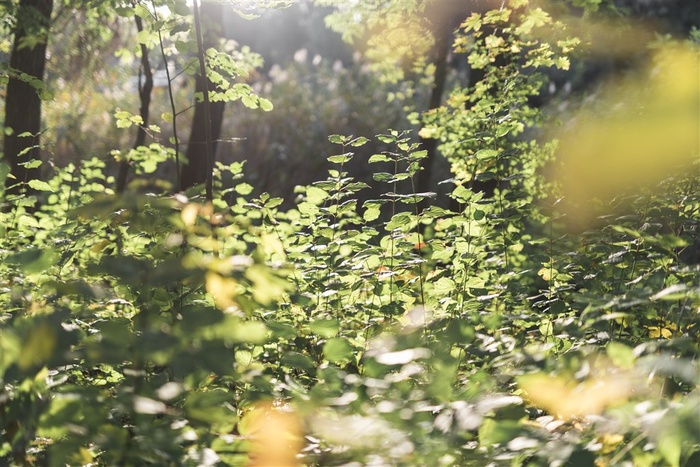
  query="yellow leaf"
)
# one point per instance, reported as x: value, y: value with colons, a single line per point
x: 428, y: 132
x: 656, y: 332
x: 275, y: 436
x: 546, y: 274
x: 645, y: 129
x: 272, y: 246
x: 566, y: 398
x: 86, y: 456
x: 189, y: 214
x: 222, y: 289
x: 37, y: 347
x: 610, y: 442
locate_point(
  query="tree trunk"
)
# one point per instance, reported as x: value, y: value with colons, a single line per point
x: 443, y: 18
x: 196, y: 169
x: 23, y: 104
x: 442, y: 48
x: 145, y: 98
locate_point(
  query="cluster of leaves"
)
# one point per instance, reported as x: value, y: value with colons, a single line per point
x: 157, y: 329
x: 144, y: 329
x: 330, y: 98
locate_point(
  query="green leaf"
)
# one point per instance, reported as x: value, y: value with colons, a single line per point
x: 179, y: 8
x: 359, y: 141
x: 325, y: 327
x: 340, y: 158
x: 486, y: 154
x: 267, y: 286
x: 180, y: 27
x: 337, y: 350
x: 418, y: 155
x: 142, y: 12
x: 211, y: 407
x: 252, y: 332
x: 444, y: 286
x: 382, y: 176
x: 473, y: 23
x: 38, y: 346
x: 265, y: 104
x: 372, y: 212
x: 379, y: 158
x: 125, y: 12
x: 33, y: 260
x: 399, y: 220
x: 338, y: 139
x: 273, y: 202
x: 460, y: 330
x: 281, y: 330
x: 39, y: 185
x: 250, y: 101
x: 144, y: 37
x: 498, y: 432
x: 32, y: 164
x: 461, y: 194
x: 316, y: 195
x: 621, y: 355
x: 299, y: 361
x: 243, y: 189
x: 116, y: 330
x: 670, y: 445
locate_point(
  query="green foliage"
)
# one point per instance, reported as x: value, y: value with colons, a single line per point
x: 154, y: 329
x: 141, y: 329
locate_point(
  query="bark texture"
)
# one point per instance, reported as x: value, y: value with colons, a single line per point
x: 23, y: 104
x: 145, y: 90
x: 195, y: 170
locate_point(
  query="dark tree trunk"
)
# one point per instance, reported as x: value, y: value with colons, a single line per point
x: 23, y: 104
x: 442, y: 48
x: 195, y: 171
x: 145, y: 98
x: 443, y: 18
x: 197, y: 167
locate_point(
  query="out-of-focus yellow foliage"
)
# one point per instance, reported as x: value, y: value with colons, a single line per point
x: 599, y: 36
x: 399, y: 41
x: 222, y: 289
x: 643, y: 128
x: 610, y: 442
x: 189, y: 214
x: 275, y: 435
x: 566, y: 398
x: 37, y: 346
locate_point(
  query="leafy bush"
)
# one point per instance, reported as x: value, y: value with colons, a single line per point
x: 148, y: 328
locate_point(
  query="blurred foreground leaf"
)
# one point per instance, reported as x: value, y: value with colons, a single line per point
x: 644, y: 129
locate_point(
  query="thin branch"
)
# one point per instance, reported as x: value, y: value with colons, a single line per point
x: 173, y: 110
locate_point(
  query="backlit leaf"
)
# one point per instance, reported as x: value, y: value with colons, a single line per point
x: 337, y: 350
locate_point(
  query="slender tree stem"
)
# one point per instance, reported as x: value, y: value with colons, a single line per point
x: 173, y: 110
x: 145, y: 90
x: 205, y: 93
